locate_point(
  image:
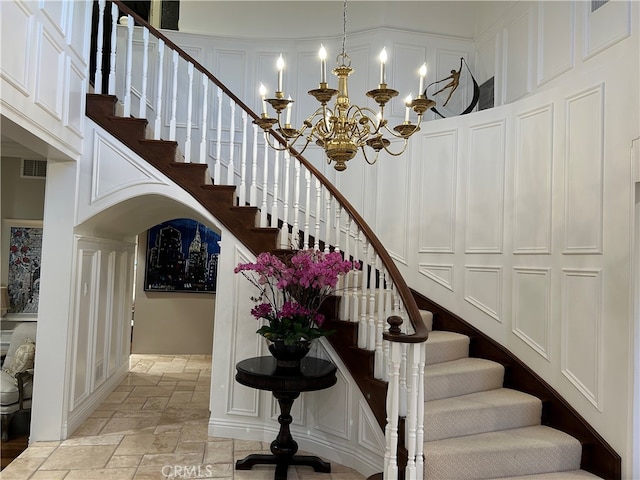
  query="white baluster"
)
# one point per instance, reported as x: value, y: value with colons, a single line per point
x: 379, y: 358
x: 420, y: 413
x: 391, y: 430
x: 205, y: 126
x: 157, y: 129
x: 411, y: 421
x: 363, y: 325
x: 112, y: 53
x: 142, y: 110
x: 174, y: 97
x: 243, y: 162
x: 253, y: 189
x: 128, y: 67
x: 276, y: 177
x: 316, y: 243
x: 307, y: 208
x: 327, y: 219
x: 371, y: 327
x: 354, y: 313
x: 265, y: 176
x: 337, y: 237
x: 403, y: 382
x: 295, y: 237
x: 187, y: 142
x: 284, y: 231
x: 345, y: 304
x: 216, y: 167
x: 231, y: 168
x: 97, y: 79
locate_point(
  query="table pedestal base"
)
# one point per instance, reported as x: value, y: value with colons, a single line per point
x: 282, y: 464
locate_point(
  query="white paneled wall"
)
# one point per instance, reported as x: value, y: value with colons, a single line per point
x: 46, y: 80
x: 101, y: 325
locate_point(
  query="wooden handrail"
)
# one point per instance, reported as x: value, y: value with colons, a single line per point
x: 420, y: 329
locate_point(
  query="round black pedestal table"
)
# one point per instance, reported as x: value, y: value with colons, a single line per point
x: 286, y: 385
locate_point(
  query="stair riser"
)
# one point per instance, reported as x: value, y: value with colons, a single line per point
x: 451, y: 424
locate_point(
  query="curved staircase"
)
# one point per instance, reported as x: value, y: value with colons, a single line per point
x: 485, y: 414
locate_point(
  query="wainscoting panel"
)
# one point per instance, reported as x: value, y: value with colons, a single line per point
x: 582, y: 309
x: 82, y: 327
x: 532, y: 307
x: 406, y: 60
x: 438, y: 193
x: 556, y: 34
x: 56, y: 13
x: 485, y: 189
x: 393, y: 212
x: 606, y: 26
x: 517, y: 63
x: 50, y: 80
x: 441, y: 274
x: 332, y: 409
x: 114, y: 170
x: 584, y: 172
x: 533, y: 165
x: 483, y: 289
x: 75, y: 101
x: 15, y: 68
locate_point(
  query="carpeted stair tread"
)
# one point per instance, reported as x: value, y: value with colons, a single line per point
x: 446, y: 346
x: 481, y: 412
x: 462, y: 376
x: 519, y: 451
x: 573, y: 475
x: 427, y: 318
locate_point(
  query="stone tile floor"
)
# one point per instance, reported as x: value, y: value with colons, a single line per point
x: 153, y: 427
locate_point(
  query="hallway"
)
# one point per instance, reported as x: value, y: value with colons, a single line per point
x: 152, y: 427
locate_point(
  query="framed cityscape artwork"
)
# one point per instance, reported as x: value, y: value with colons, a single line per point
x: 22, y: 247
x: 182, y: 256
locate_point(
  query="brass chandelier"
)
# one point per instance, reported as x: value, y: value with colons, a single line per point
x: 343, y: 129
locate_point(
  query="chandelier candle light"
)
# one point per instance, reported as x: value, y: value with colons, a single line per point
x: 343, y: 129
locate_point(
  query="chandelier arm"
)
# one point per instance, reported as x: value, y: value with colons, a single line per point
x: 364, y: 153
x: 397, y: 154
x: 280, y: 145
x: 416, y: 127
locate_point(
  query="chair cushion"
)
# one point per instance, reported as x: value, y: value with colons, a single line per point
x: 9, y: 389
x: 22, y: 358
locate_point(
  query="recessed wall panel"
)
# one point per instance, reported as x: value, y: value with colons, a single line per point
x: 50, y: 79
x: 441, y: 274
x: 533, y: 181
x: 605, y: 26
x: 583, y: 214
x: 438, y: 193
x: 556, y: 33
x: 15, y: 68
x: 332, y: 409
x: 517, y: 59
x: 532, y: 307
x: 581, y: 331
x: 483, y: 289
x: 485, y: 189
x: 407, y: 60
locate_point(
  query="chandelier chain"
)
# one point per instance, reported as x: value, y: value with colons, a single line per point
x: 344, y: 28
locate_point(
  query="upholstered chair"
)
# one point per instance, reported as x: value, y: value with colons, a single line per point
x: 17, y: 374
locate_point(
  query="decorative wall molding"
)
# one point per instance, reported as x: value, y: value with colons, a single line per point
x: 556, y: 39
x: 438, y: 178
x: 484, y: 208
x: 581, y: 319
x: 584, y: 172
x: 608, y: 25
x: 533, y: 181
x: 532, y: 308
x: 483, y: 289
x: 50, y: 77
x: 518, y: 57
x: 442, y: 274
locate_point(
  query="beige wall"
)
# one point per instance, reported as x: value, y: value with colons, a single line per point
x: 170, y: 323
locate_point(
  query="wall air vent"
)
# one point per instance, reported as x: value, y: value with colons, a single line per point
x: 34, y: 168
